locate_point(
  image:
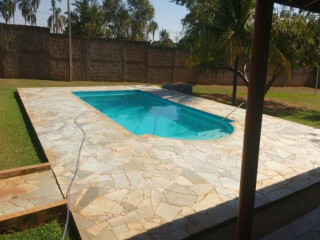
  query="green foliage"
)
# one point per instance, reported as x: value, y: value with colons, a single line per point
x: 87, y: 18
x: 118, y: 19
x: 25, y: 8
x: 142, y: 13
x: 153, y: 26
x: 217, y: 32
x: 7, y: 9
x: 164, y: 40
x: 57, y: 21
x: 50, y: 231
x: 297, y: 36
x: 113, y: 19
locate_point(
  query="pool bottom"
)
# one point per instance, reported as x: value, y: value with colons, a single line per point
x: 142, y: 113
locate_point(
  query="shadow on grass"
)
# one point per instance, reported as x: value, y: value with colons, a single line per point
x: 31, y: 131
x: 275, y: 109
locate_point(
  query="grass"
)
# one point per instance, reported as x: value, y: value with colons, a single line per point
x: 297, y: 104
x: 17, y: 140
x: 50, y: 231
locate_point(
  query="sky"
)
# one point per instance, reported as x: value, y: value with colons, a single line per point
x: 168, y: 15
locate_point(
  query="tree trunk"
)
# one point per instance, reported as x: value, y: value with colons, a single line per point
x: 70, y: 44
x: 53, y: 17
x: 235, y: 78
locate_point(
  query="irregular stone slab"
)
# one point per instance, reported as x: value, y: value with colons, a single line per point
x: 167, y: 211
x: 28, y: 191
x: 180, y: 200
x: 102, y: 206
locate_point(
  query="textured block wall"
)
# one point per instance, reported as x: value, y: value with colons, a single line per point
x: 32, y: 52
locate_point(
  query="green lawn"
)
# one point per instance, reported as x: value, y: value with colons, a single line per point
x: 300, y: 104
x: 50, y: 231
x: 17, y: 143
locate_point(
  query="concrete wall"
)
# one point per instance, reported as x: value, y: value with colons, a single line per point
x: 32, y: 52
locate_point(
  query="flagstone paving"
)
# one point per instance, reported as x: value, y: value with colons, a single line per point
x: 28, y: 191
x: 155, y: 188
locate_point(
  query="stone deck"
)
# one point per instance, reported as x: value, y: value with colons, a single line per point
x: 28, y: 191
x: 155, y: 188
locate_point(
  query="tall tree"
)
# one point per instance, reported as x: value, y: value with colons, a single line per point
x: 153, y: 27
x: 142, y: 12
x: 87, y: 18
x: 164, y: 39
x: 25, y: 8
x: 7, y: 8
x: 4, y: 12
x: 32, y: 18
x: 60, y: 21
x: 1, y: 8
x: 118, y: 19
x: 53, y: 9
x: 14, y: 10
x: 35, y: 5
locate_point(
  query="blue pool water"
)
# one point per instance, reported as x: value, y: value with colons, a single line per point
x: 143, y: 113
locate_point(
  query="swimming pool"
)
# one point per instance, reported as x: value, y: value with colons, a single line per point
x: 142, y: 113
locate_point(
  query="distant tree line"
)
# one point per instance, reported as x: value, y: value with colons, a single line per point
x: 118, y: 19
x: 131, y: 20
x: 28, y: 10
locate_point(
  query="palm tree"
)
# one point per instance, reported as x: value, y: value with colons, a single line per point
x: 220, y: 33
x: 226, y: 28
x: 53, y: 21
x: 164, y: 35
x: 153, y: 27
x: 32, y: 18
x: 14, y: 10
x: 26, y: 9
x: 3, y: 11
x: 7, y: 10
x: 60, y: 21
x: 35, y: 5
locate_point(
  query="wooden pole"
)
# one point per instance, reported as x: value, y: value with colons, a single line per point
x: 317, y: 79
x: 70, y: 43
x: 253, y: 122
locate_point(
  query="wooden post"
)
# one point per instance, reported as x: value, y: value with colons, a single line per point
x: 70, y: 44
x: 252, y: 132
